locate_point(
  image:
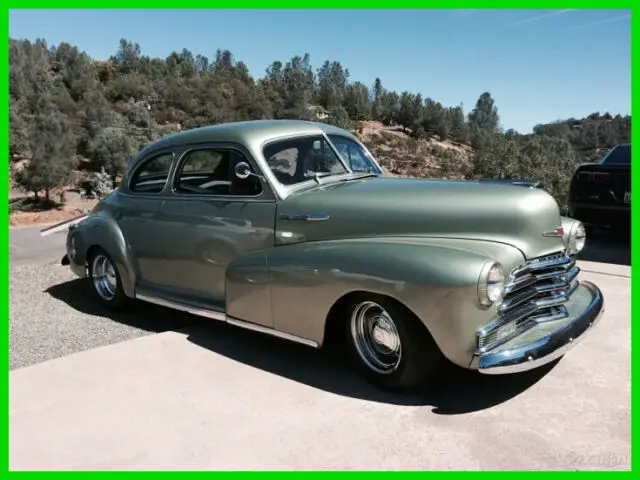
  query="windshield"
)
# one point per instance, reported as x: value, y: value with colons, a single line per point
x: 353, y: 154
x: 299, y: 159
x: 620, y: 155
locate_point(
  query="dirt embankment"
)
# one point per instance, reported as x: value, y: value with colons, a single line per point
x: 402, y: 155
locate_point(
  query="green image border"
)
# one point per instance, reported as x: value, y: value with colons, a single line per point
x: 325, y: 4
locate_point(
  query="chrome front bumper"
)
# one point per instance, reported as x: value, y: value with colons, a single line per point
x: 547, y: 348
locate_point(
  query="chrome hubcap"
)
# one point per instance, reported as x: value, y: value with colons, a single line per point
x: 376, y: 337
x: 104, y: 277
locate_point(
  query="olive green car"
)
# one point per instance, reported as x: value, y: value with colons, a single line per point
x: 290, y: 228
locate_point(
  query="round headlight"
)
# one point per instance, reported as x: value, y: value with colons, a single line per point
x: 580, y: 238
x: 577, y: 239
x: 491, y: 284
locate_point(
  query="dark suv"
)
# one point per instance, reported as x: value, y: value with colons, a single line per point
x: 600, y: 193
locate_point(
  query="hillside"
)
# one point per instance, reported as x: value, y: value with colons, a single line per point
x: 71, y: 115
x: 403, y: 155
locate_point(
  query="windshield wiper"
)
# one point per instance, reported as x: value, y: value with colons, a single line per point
x: 318, y: 175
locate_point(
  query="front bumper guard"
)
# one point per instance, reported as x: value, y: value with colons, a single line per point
x: 549, y: 348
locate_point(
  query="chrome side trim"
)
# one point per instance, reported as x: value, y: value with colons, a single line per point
x: 61, y: 225
x: 548, y: 348
x: 270, y: 331
x: 221, y: 316
x: 183, y: 307
x: 308, y: 217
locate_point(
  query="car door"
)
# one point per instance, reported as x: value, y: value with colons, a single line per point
x: 138, y: 213
x: 211, y: 218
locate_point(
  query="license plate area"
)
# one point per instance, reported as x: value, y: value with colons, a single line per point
x: 627, y: 197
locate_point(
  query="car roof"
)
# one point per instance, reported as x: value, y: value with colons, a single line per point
x: 252, y: 132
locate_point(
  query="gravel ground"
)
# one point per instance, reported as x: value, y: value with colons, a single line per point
x: 52, y: 314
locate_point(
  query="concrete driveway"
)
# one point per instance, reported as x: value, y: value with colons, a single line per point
x: 215, y: 397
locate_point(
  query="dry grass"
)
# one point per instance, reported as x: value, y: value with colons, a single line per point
x: 402, y: 155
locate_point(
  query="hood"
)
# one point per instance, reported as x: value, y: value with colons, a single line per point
x: 390, y: 206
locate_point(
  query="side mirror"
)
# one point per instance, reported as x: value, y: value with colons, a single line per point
x: 243, y: 170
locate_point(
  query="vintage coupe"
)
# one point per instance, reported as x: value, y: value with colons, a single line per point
x: 290, y: 228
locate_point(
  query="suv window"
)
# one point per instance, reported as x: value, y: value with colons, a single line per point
x: 619, y: 155
x: 152, y: 175
x: 299, y: 159
x: 211, y: 171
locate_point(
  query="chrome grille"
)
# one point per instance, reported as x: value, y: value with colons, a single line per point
x: 535, y: 292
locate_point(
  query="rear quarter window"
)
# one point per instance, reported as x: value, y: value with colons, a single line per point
x: 152, y: 175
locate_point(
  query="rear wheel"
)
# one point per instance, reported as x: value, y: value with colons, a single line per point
x: 390, y: 346
x: 105, y: 280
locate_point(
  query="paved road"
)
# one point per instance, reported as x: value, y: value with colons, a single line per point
x: 212, y: 396
x: 26, y: 246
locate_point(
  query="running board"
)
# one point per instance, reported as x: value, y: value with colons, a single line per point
x: 222, y: 317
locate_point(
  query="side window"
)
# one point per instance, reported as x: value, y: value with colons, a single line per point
x: 152, y: 175
x: 211, y: 171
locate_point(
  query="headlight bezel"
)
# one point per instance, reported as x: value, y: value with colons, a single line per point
x: 491, y: 284
x: 577, y: 238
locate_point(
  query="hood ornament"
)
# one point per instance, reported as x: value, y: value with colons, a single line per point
x: 556, y: 232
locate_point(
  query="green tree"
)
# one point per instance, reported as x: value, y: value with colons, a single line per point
x: 53, y: 154
x: 332, y: 83
x: 339, y: 117
x: 484, y: 121
x: 112, y: 148
x: 356, y: 101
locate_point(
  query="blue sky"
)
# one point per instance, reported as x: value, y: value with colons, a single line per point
x: 539, y: 65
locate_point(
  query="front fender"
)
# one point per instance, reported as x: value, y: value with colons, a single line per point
x: 437, y: 282
x: 102, y: 231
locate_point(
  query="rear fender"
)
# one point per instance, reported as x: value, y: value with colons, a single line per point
x: 438, y: 283
x: 102, y: 231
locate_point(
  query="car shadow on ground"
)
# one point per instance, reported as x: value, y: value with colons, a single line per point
x: 607, y: 246
x: 144, y: 316
x: 453, y: 391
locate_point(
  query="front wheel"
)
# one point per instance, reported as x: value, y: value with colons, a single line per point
x: 389, y: 345
x: 105, y: 280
